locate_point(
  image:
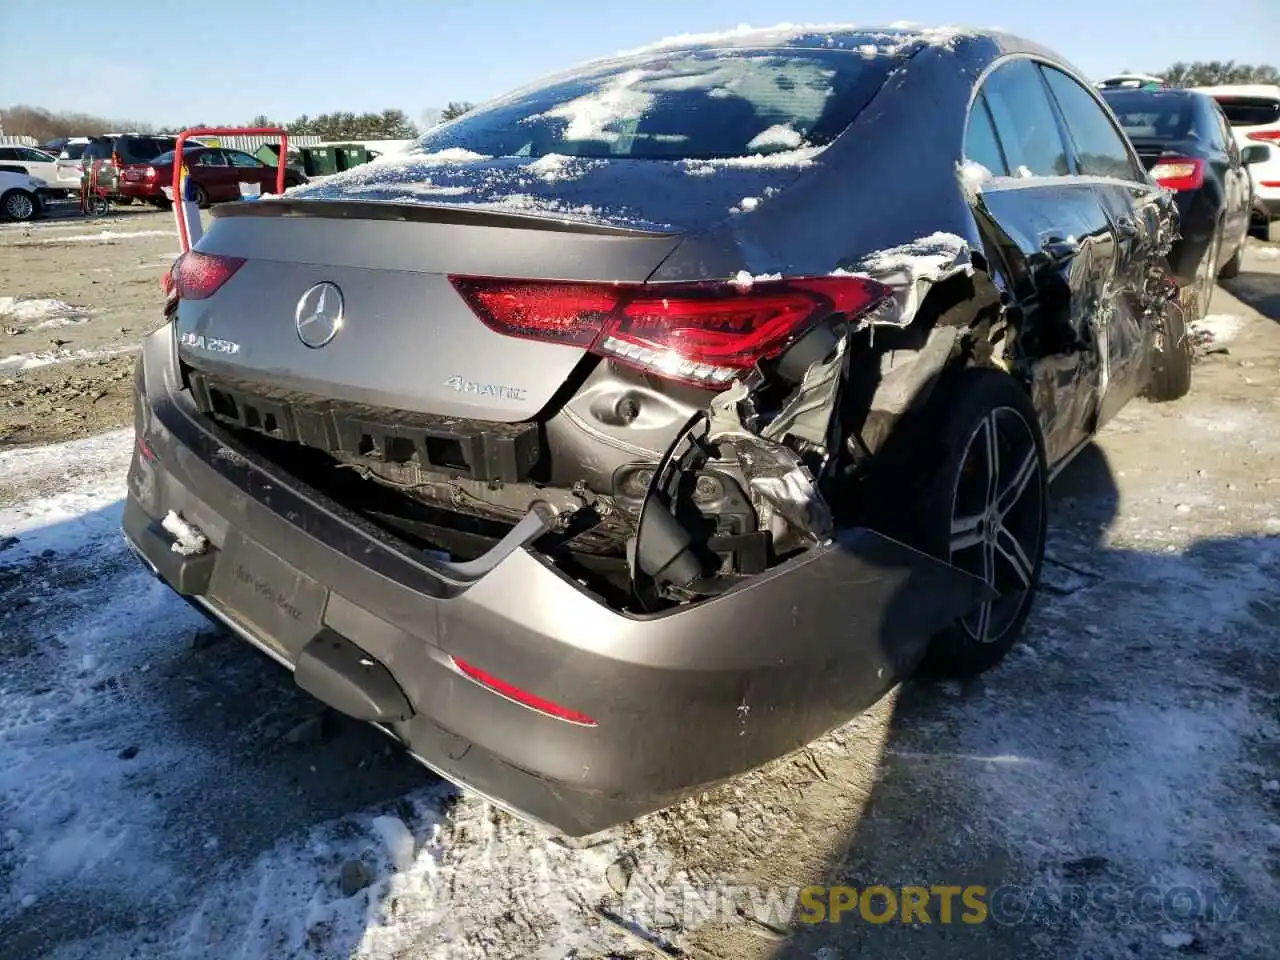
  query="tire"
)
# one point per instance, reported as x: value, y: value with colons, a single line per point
x: 1171, y: 359
x: 99, y: 206
x: 951, y: 479
x: 162, y: 204
x: 202, y: 198
x: 1231, y: 269
x: 19, y: 205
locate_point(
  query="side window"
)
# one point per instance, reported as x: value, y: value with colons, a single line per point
x: 1224, y: 131
x: 213, y: 158
x: 1025, y: 122
x: 980, y: 142
x: 239, y: 159
x: 35, y: 156
x: 8, y: 153
x: 1100, y: 147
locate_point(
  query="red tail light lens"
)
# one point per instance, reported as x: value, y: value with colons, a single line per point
x: 701, y: 333
x: 197, y: 276
x: 149, y: 173
x: 1265, y: 136
x: 1179, y: 173
x: 522, y: 697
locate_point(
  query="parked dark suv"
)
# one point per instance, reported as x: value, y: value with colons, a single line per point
x: 122, y: 151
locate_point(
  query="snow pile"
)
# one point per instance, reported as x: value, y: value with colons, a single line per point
x: 1218, y: 328
x: 779, y: 135
x: 187, y: 540
x: 781, y: 160
x: 973, y: 176
x: 37, y: 314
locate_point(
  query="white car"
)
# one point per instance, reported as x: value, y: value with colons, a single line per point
x: 29, y: 160
x: 22, y: 196
x: 1254, y: 113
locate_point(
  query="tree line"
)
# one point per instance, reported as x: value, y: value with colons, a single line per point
x: 1212, y: 73
x: 46, y: 125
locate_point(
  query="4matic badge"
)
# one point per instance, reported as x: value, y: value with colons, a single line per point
x: 463, y: 385
x: 198, y: 341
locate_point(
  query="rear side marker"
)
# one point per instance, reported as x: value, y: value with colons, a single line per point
x: 522, y: 697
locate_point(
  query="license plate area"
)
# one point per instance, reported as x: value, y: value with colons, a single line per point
x: 278, y: 604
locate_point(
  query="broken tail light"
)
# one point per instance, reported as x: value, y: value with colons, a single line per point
x: 197, y: 276
x: 1179, y: 173
x: 705, y: 334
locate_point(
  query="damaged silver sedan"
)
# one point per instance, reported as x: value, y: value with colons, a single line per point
x: 647, y: 423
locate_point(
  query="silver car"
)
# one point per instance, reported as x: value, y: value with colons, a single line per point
x: 643, y: 425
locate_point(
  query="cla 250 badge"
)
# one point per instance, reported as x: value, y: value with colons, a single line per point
x: 463, y: 385
x: 198, y: 341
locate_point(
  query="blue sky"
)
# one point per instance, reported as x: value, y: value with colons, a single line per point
x: 234, y: 60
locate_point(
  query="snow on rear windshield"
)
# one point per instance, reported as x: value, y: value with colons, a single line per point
x: 682, y: 105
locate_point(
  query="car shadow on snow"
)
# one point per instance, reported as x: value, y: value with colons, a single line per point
x: 143, y: 758
x: 1121, y: 744
x: 1257, y: 289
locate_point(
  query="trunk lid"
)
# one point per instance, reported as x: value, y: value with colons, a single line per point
x: 390, y: 330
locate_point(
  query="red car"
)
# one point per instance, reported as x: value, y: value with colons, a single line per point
x: 217, y: 174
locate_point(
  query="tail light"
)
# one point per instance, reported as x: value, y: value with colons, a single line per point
x: 115, y: 160
x: 522, y: 697
x: 197, y: 276
x: 701, y: 333
x: 1265, y: 136
x: 1179, y: 173
x: 149, y: 173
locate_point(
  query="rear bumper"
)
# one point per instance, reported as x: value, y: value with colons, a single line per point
x: 680, y: 700
x: 138, y: 190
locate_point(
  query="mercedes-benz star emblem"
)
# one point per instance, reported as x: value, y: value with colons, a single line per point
x: 319, y: 314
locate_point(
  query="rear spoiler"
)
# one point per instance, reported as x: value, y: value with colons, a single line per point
x: 425, y: 213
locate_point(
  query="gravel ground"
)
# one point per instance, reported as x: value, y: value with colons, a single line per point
x: 76, y: 296
x: 1114, y: 787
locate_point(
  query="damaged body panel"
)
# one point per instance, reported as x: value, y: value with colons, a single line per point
x: 598, y: 426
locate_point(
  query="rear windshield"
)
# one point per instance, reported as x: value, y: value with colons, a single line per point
x: 1250, y: 111
x: 679, y: 105
x: 137, y: 149
x: 1152, y: 116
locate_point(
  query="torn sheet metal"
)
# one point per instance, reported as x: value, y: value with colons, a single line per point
x: 911, y: 270
x: 807, y: 415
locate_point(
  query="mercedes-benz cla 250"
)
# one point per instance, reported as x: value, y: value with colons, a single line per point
x: 643, y: 425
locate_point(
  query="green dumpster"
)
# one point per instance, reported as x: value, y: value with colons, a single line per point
x: 319, y: 161
x: 269, y: 153
x: 351, y: 155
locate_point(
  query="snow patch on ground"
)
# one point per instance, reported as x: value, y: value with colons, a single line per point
x: 26, y: 361
x: 40, y: 314
x: 105, y: 236
x: 1219, y: 327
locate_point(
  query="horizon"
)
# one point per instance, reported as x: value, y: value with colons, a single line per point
x: 316, y: 69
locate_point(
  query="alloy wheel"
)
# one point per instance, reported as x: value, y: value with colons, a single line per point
x: 19, y: 206
x: 997, y: 518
